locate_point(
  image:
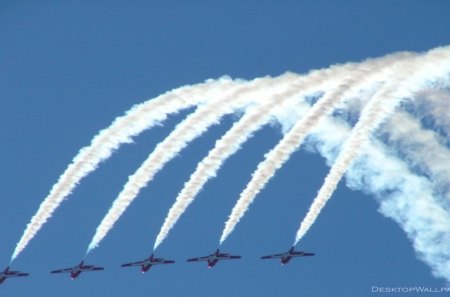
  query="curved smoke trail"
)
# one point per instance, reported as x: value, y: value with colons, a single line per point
x: 405, y: 197
x: 365, y: 72
x: 228, y: 144
x: 407, y: 80
x: 436, y: 103
x: 240, y: 132
x: 413, y: 187
x: 424, y: 152
x: 139, y: 118
x: 192, y: 127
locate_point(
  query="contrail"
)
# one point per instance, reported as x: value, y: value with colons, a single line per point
x: 410, y: 77
x: 421, y: 148
x: 192, y: 127
x: 239, y: 133
x: 408, y: 199
x: 139, y: 118
x: 412, y: 187
x: 414, y: 205
x: 226, y: 146
x: 363, y: 72
x: 437, y: 104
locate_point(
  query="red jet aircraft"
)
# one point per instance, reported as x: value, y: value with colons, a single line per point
x: 287, y: 256
x: 214, y: 258
x: 8, y: 273
x: 147, y: 263
x: 76, y: 270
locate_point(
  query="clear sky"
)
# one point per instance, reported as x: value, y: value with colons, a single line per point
x: 67, y: 69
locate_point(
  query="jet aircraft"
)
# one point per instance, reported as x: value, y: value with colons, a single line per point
x: 287, y: 256
x: 213, y: 258
x: 77, y: 270
x: 8, y: 273
x: 147, y: 263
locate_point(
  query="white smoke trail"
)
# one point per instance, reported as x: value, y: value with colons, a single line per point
x: 436, y: 103
x: 423, y: 149
x: 139, y: 118
x: 227, y: 145
x: 240, y: 132
x: 192, y: 127
x: 414, y: 206
x: 364, y: 73
x: 408, y: 199
x: 434, y: 64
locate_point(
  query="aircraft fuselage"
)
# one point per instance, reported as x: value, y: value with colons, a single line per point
x: 212, y: 262
x: 145, y: 267
x: 74, y: 274
x: 285, y: 259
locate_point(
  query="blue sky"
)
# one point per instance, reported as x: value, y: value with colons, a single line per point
x: 68, y: 69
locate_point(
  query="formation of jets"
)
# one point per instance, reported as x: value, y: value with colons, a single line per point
x: 147, y: 263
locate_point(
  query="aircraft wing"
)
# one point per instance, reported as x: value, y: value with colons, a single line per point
x: 139, y: 263
x: 272, y: 256
x: 97, y: 268
x: 87, y: 267
x: 198, y: 259
x: 168, y: 261
x: 16, y: 273
x: 62, y: 270
x: 233, y: 257
x: 302, y: 254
